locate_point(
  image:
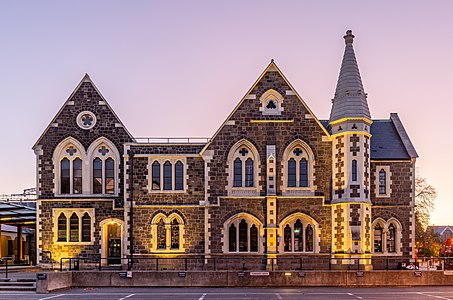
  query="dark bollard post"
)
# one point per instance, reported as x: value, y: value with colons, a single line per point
x: 243, y: 264
x: 157, y: 264
x: 61, y: 264
x: 272, y: 264
x: 387, y: 265
x: 215, y: 268
x: 300, y: 263
x: 6, y: 268
x: 185, y: 262
x: 358, y: 264
x: 330, y: 264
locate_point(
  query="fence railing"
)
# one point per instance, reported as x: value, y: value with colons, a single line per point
x: 174, y: 140
x: 258, y: 263
x: 4, y: 263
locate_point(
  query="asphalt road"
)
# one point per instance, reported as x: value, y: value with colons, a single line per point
x: 238, y: 293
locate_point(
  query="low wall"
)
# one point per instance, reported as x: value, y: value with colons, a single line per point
x: 51, y: 281
x: 243, y: 279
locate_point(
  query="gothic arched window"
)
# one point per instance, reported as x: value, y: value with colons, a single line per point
x: 243, y: 236
x: 243, y: 161
x: 287, y: 239
x: 249, y: 173
x: 155, y: 175
x: 167, y: 233
x: 65, y: 173
x: 167, y: 176
x: 179, y: 176
x: 242, y: 233
x: 237, y: 181
x: 77, y: 176
x: 62, y: 228
x: 74, y: 228
x: 174, y: 234
x: 298, y: 237
x: 161, y: 235
x: 97, y: 176
x: 309, y: 238
x: 292, y: 172
x: 232, y: 238
x: 391, y: 247
x: 86, y: 228
x: 303, y: 173
x: 298, y: 233
x: 297, y: 169
x: 377, y: 238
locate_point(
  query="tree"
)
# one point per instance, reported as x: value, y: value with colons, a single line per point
x: 427, y: 243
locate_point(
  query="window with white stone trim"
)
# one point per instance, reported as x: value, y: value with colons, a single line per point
x: 299, y: 233
x: 104, y: 166
x: 243, y: 233
x: 167, y: 233
x: 298, y: 169
x: 271, y: 103
x: 167, y: 174
x: 387, y: 236
x: 73, y: 225
x: 383, y: 187
x: 68, y: 165
x: 243, y: 169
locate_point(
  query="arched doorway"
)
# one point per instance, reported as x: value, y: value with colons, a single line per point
x: 112, y: 244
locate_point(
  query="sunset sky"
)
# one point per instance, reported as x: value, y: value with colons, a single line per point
x: 178, y: 68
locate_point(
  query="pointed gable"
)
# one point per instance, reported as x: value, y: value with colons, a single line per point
x: 85, y: 115
x: 255, y: 106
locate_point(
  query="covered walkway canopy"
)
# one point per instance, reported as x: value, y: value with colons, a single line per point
x: 17, y: 215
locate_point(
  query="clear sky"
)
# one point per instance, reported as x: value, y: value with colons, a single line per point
x: 178, y: 68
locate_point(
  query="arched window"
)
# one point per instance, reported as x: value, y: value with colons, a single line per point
x: 65, y: 174
x: 287, y: 239
x: 161, y: 235
x: 237, y: 181
x: 156, y: 175
x: 167, y: 176
x: 179, y: 176
x: 174, y: 234
x: 77, y: 176
x: 303, y: 165
x: 299, y: 233
x: 309, y: 238
x: 97, y: 176
x: 62, y: 228
x: 354, y: 170
x: 232, y: 238
x: 249, y: 172
x: 86, y: 228
x: 243, y: 169
x: 292, y: 172
x: 74, y: 228
x: 377, y: 238
x: 243, y: 236
x: 253, y: 238
x: 391, y: 247
x: 242, y: 233
x: 109, y: 176
x: 382, y: 182
x: 297, y: 169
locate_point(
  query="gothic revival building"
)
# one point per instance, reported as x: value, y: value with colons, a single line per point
x: 273, y: 181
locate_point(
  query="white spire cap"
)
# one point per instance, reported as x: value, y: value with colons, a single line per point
x: 350, y: 98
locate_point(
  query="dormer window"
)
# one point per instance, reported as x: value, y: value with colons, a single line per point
x: 271, y: 103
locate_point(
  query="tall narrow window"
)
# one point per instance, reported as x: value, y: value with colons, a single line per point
x: 62, y: 228
x: 377, y: 238
x: 298, y: 240
x: 382, y: 182
x: 179, y: 176
x: 391, y: 239
x: 292, y: 173
x: 237, y: 180
x: 65, y: 176
x: 309, y: 238
x: 77, y: 176
x: 253, y: 239
x: 86, y: 228
x: 287, y: 238
x: 232, y: 238
x: 74, y: 228
x: 174, y: 234
x: 167, y: 176
x: 354, y: 170
x: 156, y: 175
x: 161, y: 235
x: 243, y: 240
x: 109, y: 176
x: 97, y: 176
x: 249, y: 172
x: 303, y: 173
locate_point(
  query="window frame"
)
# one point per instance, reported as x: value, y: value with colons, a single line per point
x: 397, y: 241
x: 161, y: 160
x: 68, y: 213
x: 388, y: 181
x: 250, y: 222
x: 289, y: 222
x: 168, y: 223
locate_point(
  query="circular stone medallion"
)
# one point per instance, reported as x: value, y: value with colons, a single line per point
x: 86, y: 120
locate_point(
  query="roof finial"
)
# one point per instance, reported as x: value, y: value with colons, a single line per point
x: 349, y: 37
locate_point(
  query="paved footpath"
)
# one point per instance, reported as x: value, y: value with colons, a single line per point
x: 238, y: 293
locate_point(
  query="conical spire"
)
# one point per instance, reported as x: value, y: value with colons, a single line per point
x: 350, y: 99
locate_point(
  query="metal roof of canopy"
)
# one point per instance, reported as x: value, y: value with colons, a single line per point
x: 17, y: 215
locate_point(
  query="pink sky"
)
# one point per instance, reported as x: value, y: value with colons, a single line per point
x: 178, y: 68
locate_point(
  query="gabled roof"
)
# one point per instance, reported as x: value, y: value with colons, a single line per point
x: 389, y: 140
x: 86, y: 78
x: 271, y: 67
x: 350, y: 98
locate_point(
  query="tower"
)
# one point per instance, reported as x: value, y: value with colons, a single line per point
x: 349, y: 123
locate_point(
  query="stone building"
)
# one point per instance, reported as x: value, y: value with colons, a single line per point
x: 274, y: 181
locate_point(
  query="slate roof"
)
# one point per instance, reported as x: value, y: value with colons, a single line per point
x: 388, y: 143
